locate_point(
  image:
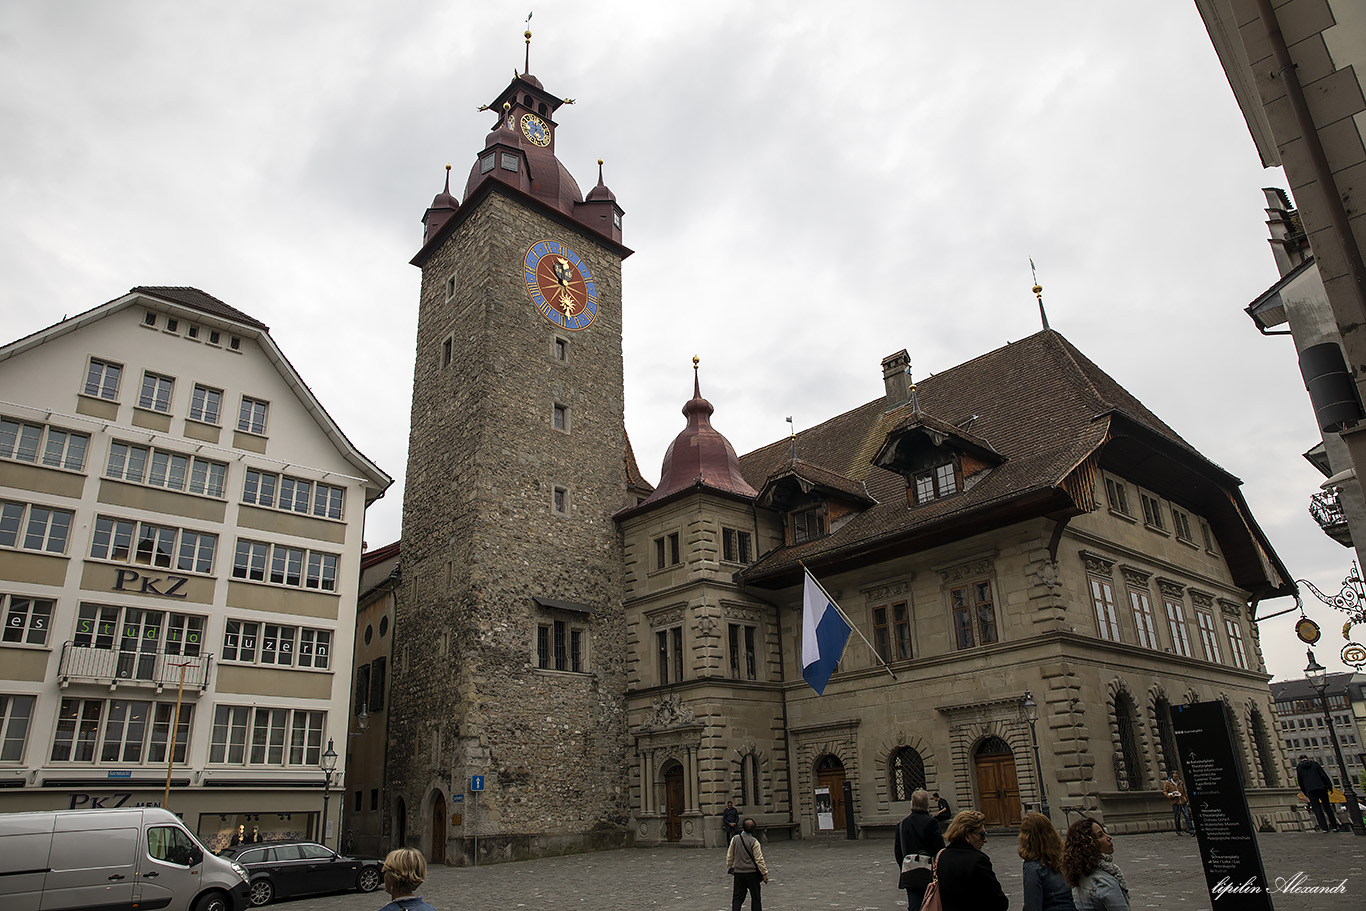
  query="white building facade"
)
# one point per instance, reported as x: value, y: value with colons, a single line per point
x: 173, y: 498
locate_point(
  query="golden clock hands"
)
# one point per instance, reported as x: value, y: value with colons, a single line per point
x: 563, y: 272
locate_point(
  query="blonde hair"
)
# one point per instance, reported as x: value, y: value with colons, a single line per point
x: 964, y: 824
x: 408, y: 868
x: 1039, y: 840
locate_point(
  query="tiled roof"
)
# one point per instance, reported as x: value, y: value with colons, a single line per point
x: 207, y: 303
x: 1283, y: 690
x: 1039, y: 402
x: 819, y: 477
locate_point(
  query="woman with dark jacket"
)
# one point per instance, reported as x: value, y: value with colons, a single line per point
x: 918, y: 834
x: 966, y: 880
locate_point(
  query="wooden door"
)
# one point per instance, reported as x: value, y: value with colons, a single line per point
x: 438, y: 852
x: 830, y: 774
x: 998, y: 789
x: 673, y: 803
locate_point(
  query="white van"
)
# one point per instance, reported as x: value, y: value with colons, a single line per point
x: 112, y: 860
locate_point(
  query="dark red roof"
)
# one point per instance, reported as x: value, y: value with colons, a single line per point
x: 199, y: 300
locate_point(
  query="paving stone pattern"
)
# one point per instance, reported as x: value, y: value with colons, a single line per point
x: 1163, y: 871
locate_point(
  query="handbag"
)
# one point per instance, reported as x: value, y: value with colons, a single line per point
x: 932, y: 901
x: 915, y: 871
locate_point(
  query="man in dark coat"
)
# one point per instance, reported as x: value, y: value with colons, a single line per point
x: 918, y: 834
x: 1314, y: 782
x: 730, y: 817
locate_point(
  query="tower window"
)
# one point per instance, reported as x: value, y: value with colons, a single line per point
x: 561, y: 349
x: 445, y: 354
x: 669, y: 647
x: 666, y: 551
x: 560, y: 417
x: 974, y: 614
x: 735, y: 545
x: 450, y: 287
x: 560, y: 501
x: 743, y: 652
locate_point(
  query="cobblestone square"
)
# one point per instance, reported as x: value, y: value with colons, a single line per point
x: 1163, y: 871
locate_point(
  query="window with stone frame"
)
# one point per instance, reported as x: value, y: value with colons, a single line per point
x: 157, y: 392
x: 905, y: 772
x: 1103, y: 600
x: 974, y: 614
x: 1208, y: 638
x: 102, y: 379
x: 750, y: 794
x: 34, y: 527
x: 43, y: 444
x: 1181, y: 524
x: 1152, y: 512
x: 1129, y: 763
x: 736, y: 545
x: 1235, y: 642
x: 892, y: 631
x: 1142, y: 609
x: 744, y: 651
x: 669, y: 654
x: 1262, y: 747
x: 1175, y: 606
x: 667, y: 551
x: 560, y: 646
x: 1166, y: 737
x: 1117, y: 495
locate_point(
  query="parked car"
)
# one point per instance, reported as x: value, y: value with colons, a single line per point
x: 116, y: 858
x: 280, y: 868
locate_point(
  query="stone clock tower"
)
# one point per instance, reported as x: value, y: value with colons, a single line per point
x: 509, y: 659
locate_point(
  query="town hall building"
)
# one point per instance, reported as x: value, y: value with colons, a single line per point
x: 1040, y: 566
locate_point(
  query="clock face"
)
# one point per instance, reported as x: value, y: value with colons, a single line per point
x: 560, y: 285
x: 534, y: 128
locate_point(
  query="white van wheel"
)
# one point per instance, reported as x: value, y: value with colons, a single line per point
x: 213, y: 901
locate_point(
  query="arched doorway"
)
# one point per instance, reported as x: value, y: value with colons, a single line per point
x: 400, y: 824
x: 437, y: 854
x: 673, y: 802
x: 998, y: 790
x: 830, y: 774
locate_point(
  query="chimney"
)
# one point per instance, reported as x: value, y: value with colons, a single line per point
x: 896, y: 375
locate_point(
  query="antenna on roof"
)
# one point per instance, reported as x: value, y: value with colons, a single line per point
x: 1038, y: 292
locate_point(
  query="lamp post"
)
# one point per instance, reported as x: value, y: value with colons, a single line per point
x: 1317, y: 675
x: 328, y: 765
x: 1031, y: 710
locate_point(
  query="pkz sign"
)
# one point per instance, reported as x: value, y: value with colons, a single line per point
x: 168, y: 586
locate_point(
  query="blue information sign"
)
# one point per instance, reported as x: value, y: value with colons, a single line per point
x: 476, y: 782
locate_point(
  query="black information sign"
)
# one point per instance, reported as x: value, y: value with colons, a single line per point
x: 1223, y: 824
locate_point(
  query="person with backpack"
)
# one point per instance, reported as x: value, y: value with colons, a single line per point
x: 745, y: 861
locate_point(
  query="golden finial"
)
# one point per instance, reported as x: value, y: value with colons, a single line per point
x: 1038, y: 292
x: 527, y: 36
x: 599, y: 162
x: 567, y: 100
x: 448, y: 167
x: 507, y: 105
x: 695, y: 359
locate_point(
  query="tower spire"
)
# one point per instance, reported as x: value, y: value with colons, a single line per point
x: 1038, y: 292
x: 527, y: 35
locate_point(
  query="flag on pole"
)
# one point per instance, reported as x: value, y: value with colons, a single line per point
x: 824, y: 634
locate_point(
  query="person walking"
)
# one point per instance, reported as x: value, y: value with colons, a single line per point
x: 917, y: 836
x: 1087, y: 866
x: 966, y: 880
x: 404, y: 870
x: 730, y: 818
x: 1041, y: 851
x: 1314, y: 782
x: 745, y: 861
x: 1175, y: 791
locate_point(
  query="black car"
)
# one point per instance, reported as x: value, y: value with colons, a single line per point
x: 281, y: 868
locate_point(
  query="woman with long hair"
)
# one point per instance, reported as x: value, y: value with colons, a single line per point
x: 1041, y: 851
x: 1097, y: 884
x: 966, y: 880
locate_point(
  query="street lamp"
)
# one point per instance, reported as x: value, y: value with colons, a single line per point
x: 328, y: 765
x: 1031, y: 710
x: 1317, y: 675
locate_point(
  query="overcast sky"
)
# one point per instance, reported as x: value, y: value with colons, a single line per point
x: 808, y: 187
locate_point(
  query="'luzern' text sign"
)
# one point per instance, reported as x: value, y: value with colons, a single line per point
x: 1223, y: 825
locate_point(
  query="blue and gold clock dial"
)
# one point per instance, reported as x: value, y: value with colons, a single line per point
x: 560, y: 284
x: 534, y: 128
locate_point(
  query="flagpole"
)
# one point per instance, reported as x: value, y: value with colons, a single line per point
x: 839, y: 610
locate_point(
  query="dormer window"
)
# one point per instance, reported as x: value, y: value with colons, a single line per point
x: 938, y: 482
x: 808, y: 525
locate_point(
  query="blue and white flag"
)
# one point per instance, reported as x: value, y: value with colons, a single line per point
x: 824, y: 634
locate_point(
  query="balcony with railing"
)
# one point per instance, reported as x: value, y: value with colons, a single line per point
x: 115, y: 668
x: 1327, y: 510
